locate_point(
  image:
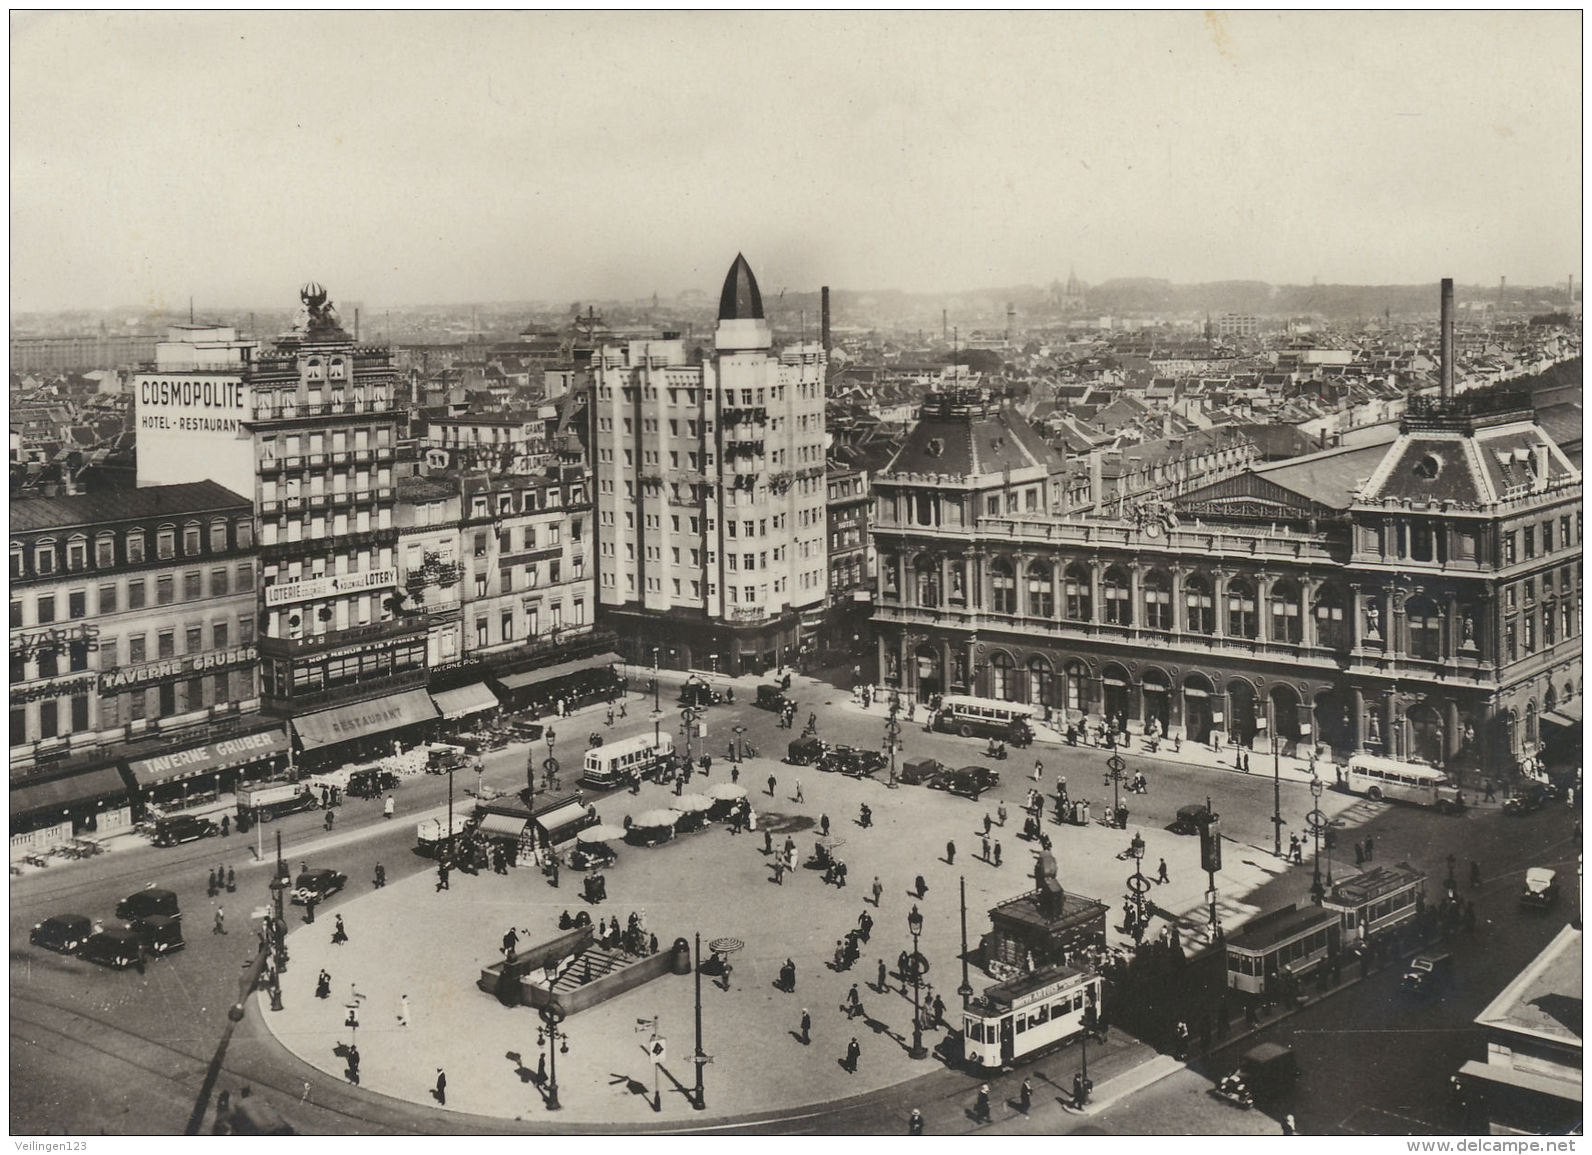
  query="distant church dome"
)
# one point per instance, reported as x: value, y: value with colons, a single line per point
x: 740, y: 300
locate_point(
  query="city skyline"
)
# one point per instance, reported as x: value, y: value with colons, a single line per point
x: 488, y: 167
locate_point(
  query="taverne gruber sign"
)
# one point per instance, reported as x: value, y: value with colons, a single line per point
x: 175, y: 667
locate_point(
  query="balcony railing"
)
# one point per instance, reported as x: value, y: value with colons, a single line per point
x: 406, y: 626
x: 297, y: 412
x: 994, y: 531
x: 385, y: 684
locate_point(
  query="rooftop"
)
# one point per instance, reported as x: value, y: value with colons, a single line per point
x: 1544, y: 1000
x: 740, y: 300
x: 85, y: 509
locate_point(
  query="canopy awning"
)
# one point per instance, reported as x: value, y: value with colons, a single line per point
x: 362, y: 719
x: 1525, y: 1080
x: 501, y: 826
x: 550, y: 673
x: 464, y: 701
x: 564, y: 823
x: 212, y: 756
x: 1566, y: 716
x: 62, y: 793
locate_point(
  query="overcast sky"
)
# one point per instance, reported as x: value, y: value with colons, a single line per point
x: 406, y: 158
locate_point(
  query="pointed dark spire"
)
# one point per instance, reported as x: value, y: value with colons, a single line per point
x: 740, y: 300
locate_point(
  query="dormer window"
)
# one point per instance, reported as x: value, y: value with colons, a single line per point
x: 1427, y: 468
x: 338, y: 370
x: 314, y: 370
x: 44, y: 558
x: 936, y: 447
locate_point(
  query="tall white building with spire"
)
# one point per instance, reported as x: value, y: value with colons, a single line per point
x: 710, y: 501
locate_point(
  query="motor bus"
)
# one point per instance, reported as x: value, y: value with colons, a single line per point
x: 1030, y: 1013
x: 1285, y: 943
x: 613, y: 763
x: 985, y: 718
x: 1382, y: 779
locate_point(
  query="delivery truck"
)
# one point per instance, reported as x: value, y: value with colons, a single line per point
x: 274, y: 799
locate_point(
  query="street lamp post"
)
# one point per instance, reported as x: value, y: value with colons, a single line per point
x: 966, y: 989
x: 687, y: 725
x: 700, y: 1102
x: 1138, y: 885
x: 915, y: 925
x: 892, y: 732
x: 1276, y: 787
x: 1317, y: 823
x: 1115, y: 769
x: 552, y: 1015
x: 656, y: 704
x: 657, y: 728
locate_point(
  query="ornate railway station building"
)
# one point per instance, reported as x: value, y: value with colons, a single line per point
x: 1419, y: 599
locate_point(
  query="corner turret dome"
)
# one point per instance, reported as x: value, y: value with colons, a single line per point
x: 740, y: 300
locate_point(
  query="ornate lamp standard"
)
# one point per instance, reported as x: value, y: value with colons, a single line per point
x: 656, y: 706
x: 688, y: 719
x: 915, y: 925
x: 1138, y: 884
x: 1116, y: 769
x: 892, y: 732
x: 1317, y: 822
x: 557, y: 1041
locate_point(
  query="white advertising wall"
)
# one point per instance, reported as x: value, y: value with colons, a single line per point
x: 191, y: 428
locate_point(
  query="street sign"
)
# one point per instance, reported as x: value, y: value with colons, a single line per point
x: 655, y: 1048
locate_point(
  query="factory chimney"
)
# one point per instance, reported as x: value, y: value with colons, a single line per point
x: 824, y: 298
x: 945, y: 324
x: 1447, y: 338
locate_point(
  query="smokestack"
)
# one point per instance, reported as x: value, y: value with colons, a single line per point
x: 1447, y: 338
x: 824, y: 299
x: 945, y: 324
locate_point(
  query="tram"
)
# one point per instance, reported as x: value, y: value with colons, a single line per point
x: 1285, y: 944
x: 1028, y: 1014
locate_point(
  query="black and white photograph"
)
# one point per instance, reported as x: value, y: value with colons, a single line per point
x: 727, y: 574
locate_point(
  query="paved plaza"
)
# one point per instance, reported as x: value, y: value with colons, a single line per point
x: 408, y: 939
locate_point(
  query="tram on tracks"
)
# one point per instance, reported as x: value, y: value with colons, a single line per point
x: 1031, y: 1013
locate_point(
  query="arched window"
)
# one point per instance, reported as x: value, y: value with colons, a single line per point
x: 313, y: 370
x: 190, y: 539
x: 1119, y: 603
x: 77, y: 552
x: 44, y: 558
x: 1074, y: 675
x: 338, y: 369
x: 135, y: 547
x: 1157, y: 601
x: 1531, y: 721
x: 16, y: 559
x: 1041, y: 590
x: 1041, y: 681
x: 105, y: 550
x: 166, y: 542
x: 1285, y: 623
x: 1426, y: 628
x: 1242, y: 621
x: 887, y: 566
x: 1331, y: 630
x: 1002, y: 684
x: 1550, y: 701
x: 1003, y: 585
x: 926, y: 573
x: 1079, y: 593
x: 218, y: 536
x: 1200, y: 605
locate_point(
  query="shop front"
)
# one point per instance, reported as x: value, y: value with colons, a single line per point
x: 465, y: 701
x: 363, y: 731
x: 577, y: 683
x: 87, y: 803
x: 196, y: 775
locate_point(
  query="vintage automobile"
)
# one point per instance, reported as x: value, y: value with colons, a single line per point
x: 1427, y: 973
x: 805, y: 751
x: 698, y: 693
x: 968, y: 781
x: 1541, y: 891
x: 443, y: 756
x: 852, y: 762
x: 371, y: 782
x: 923, y: 771
x: 1269, y: 1070
x: 1528, y: 797
x: 183, y: 828
x: 162, y: 933
x: 118, y: 947
x: 772, y: 698
x: 64, y: 933
x: 147, y: 903
x: 1190, y: 818
x: 317, y: 885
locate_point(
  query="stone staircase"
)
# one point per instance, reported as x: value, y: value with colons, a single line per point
x: 590, y: 965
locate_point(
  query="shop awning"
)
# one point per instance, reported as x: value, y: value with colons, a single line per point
x: 1524, y: 1080
x: 464, y: 701
x: 362, y: 719
x: 549, y: 673
x: 64, y: 793
x: 501, y: 826
x: 564, y: 823
x: 1566, y: 716
x: 219, y: 755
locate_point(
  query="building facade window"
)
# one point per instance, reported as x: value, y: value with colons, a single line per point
x: 1241, y: 618
x: 1199, y: 605
x: 1076, y: 588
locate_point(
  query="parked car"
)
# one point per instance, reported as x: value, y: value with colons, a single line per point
x: 118, y: 947
x: 771, y: 698
x: 318, y: 885
x: 1190, y: 818
x: 852, y: 762
x: 183, y: 828
x: 147, y: 903
x: 1269, y: 1070
x: 968, y: 781
x: 805, y: 751
x: 1530, y: 796
x: 1428, y: 973
x: 371, y: 783
x: 923, y: 771
x: 63, y: 933
x: 698, y: 693
x: 1542, y: 889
